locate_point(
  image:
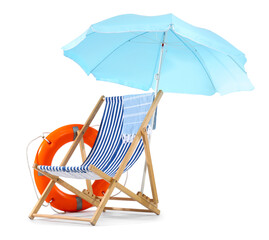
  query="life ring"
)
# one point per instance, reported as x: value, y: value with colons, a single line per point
x: 57, y: 198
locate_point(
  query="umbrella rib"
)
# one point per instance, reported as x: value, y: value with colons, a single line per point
x: 98, y: 64
x: 199, y: 58
x: 237, y: 64
x: 217, y: 59
x: 153, y: 40
x: 226, y: 68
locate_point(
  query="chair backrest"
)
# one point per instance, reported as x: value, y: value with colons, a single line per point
x: 111, y: 145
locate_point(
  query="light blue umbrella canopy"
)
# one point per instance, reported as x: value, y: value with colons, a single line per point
x: 131, y: 49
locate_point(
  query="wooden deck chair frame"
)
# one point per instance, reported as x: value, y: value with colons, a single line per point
x: 151, y: 205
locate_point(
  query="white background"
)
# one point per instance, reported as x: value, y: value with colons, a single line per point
x: 210, y: 154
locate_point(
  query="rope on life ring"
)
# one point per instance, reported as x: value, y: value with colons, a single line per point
x: 47, y: 150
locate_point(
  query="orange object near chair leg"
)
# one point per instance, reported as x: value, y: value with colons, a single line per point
x: 48, y: 148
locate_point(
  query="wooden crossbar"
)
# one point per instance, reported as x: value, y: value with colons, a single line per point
x: 127, y: 209
x: 62, y: 217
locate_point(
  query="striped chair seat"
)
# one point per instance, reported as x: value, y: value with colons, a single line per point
x: 109, y: 148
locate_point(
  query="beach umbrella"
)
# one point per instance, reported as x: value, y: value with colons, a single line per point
x: 159, y: 52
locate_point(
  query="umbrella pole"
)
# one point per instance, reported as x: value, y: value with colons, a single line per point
x: 157, y: 78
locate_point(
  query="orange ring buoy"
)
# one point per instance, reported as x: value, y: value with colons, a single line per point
x: 61, y: 200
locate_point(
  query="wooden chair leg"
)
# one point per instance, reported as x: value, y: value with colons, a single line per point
x: 150, y: 167
x: 103, y: 202
x: 42, y: 199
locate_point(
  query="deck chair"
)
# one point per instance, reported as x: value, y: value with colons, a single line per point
x: 115, y: 151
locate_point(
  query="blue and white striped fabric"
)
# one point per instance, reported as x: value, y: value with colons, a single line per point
x: 135, y: 110
x: 109, y: 148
